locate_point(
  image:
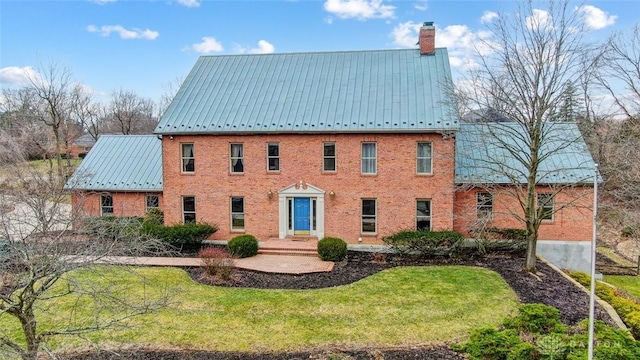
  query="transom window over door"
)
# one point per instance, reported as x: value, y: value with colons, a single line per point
x: 423, y: 214
x: 237, y: 158
x: 329, y: 157
x: 369, y: 158
x: 188, y: 158
x: 273, y: 157
x: 368, y: 215
x: 423, y: 158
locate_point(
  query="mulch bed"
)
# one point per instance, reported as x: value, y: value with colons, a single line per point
x: 547, y: 286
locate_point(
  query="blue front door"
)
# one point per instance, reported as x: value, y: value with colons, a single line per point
x: 302, y: 215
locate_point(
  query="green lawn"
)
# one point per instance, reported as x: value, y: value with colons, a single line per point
x: 630, y: 284
x: 401, y: 306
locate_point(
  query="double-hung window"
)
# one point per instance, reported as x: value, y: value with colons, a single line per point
x: 273, y: 157
x: 152, y: 201
x: 423, y: 214
x: 188, y: 158
x: 106, y: 205
x: 188, y: 209
x: 369, y: 158
x: 545, y: 204
x: 329, y: 157
x: 368, y: 215
x: 484, y: 206
x: 237, y: 213
x: 237, y: 158
x: 423, y: 158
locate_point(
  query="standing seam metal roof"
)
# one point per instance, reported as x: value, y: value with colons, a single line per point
x: 350, y: 91
x: 121, y: 163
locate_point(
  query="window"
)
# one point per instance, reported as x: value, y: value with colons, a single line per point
x: 237, y: 158
x: 188, y: 209
x: 188, y: 158
x: 273, y: 157
x: 237, y: 213
x: 329, y: 156
x: 423, y: 215
x: 368, y: 158
x: 545, y: 203
x: 484, y: 205
x: 424, y: 158
x: 152, y: 201
x: 106, y: 205
x: 368, y: 215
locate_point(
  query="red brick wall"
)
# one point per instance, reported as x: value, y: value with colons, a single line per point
x: 573, y: 220
x: 124, y: 203
x: 396, y: 186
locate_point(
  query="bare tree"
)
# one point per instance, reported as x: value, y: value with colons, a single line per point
x: 86, y: 112
x: 170, y: 89
x: 131, y: 114
x: 43, y: 262
x: 522, y: 73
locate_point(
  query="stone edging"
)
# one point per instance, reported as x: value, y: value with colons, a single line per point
x: 605, y: 305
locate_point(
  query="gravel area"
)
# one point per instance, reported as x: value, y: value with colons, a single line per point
x: 547, y: 286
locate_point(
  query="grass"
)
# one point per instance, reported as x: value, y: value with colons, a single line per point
x: 630, y: 284
x: 42, y: 166
x: 400, y: 306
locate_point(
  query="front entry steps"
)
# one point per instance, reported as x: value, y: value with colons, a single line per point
x: 291, y: 246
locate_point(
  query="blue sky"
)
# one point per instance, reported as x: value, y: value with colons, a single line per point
x: 144, y: 45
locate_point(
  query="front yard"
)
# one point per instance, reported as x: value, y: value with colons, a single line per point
x: 399, y: 306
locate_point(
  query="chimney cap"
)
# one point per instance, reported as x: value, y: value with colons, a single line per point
x: 428, y: 23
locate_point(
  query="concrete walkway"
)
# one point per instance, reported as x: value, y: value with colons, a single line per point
x: 279, y: 264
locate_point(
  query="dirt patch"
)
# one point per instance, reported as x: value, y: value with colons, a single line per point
x: 547, y: 286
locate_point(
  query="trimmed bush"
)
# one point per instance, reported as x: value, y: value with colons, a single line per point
x: 332, y: 249
x: 154, y: 216
x: 216, y: 262
x: 536, y: 319
x: 426, y: 243
x: 243, y: 246
x: 490, y: 343
x: 181, y: 236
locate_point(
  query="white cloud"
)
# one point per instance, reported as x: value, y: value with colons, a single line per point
x: 596, y: 18
x: 421, y: 5
x: 406, y: 34
x: 264, y: 47
x: 359, y: 9
x: 18, y: 76
x: 539, y: 20
x: 126, y: 34
x: 208, y: 45
x: 488, y: 16
x: 189, y: 3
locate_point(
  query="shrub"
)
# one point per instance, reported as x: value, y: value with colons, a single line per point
x: 216, y: 262
x: 490, y: 343
x: 243, y: 246
x: 630, y: 231
x: 154, y: 216
x: 522, y: 351
x: 332, y: 249
x: 426, y: 243
x: 181, y: 236
x: 536, y: 319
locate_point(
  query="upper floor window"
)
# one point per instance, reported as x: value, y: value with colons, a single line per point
x: 423, y: 214
x: 369, y: 215
x: 152, y: 201
x: 188, y: 209
x: 329, y: 157
x: 106, y: 205
x: 188, y: 158
x: 237, y: 158
x: 273, y: 157
x: 424, y: 158
x: 237, y: 213
x: 545, y: 203
x: 369, y: 158
x: 484, y: 205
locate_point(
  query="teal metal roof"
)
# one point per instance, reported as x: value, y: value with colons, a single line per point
x: 350, y: 91
x: 121, y: 163
x: 487, y: 153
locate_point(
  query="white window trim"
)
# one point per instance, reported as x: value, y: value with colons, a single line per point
x: 430, y: 212
x: 232, y: 213
x: 194, y: 212
x: 102, y: 213
x: 552, y: 205
x: 419, y: 158
x: 231, y: 158
x: 479, y: 205
x: 375, y: 216
x: 269, y: 157
x: 146, y: 202
x: 334, y: 157
x: 375, y: 158
x: 183, y: 158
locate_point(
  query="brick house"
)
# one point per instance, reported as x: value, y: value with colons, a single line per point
x: 352, y: 144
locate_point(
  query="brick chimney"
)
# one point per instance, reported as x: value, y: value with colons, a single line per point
x: 427, y: 39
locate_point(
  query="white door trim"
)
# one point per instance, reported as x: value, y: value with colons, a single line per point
x: 300, y: 189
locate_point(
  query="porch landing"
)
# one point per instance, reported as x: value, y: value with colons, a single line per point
x: 291, y: 246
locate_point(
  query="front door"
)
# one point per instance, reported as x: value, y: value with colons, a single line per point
x: 302, y: 216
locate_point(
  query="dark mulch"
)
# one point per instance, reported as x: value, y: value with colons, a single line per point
x: 547, y: 286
